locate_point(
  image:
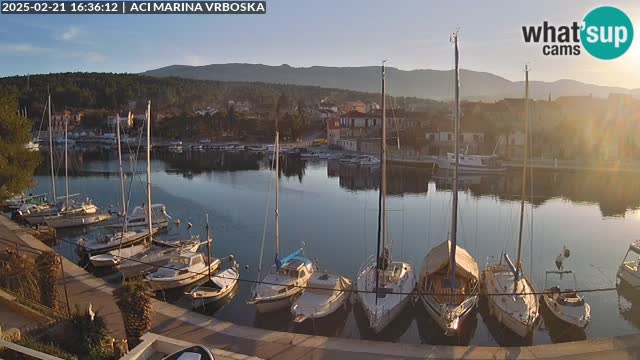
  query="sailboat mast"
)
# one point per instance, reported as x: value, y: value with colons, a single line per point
x: 53, y: 174
x: 277, y: 195
x: 149, y: 218
x: 383, y: 183
x: 454, y: 205
x: 525, y: 155
x: 66, y: 165
x: 124, y: 200
x: 209, y: 246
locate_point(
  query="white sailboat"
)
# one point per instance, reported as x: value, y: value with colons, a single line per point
x: 289, y: 275
x: 510, y: 295
x: 383, y: 285
x: 74, y: 214
x: 449, y: 278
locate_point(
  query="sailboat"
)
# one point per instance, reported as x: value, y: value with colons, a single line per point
x: 383, y: 285
x: 289, y: 275
x: 74, y: 214
x: 510, y: 295
x: 448, y: 284
x: 34, y: 214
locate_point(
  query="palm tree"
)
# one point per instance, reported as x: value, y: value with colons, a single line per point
x: 48, y: 265
x: 134, y: 301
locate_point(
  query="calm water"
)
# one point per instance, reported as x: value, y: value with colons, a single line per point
x: 332, y: 208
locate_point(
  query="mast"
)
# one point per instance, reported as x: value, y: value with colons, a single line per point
x: 149, y: 218
x: 124, y: 200
x: 382, y: 218
x: 209, y: 246
x: 277, y: 199
x: 525, y: 155
x: 66, y: 166
x: 53, y: 174
x: 454, y: 205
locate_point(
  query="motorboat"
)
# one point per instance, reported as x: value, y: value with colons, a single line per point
x: 153, y: 258
x: 566, y: 304
x: 326, y: 293
x: 174, y: 243
x: 15, y: 202
x: 449, y: 304
x: 629, y: 270
x: 196, y: 352
x: 369, y: 161
x: 138, y: 217
x: 34, y: 214
x: 511, y: 298
x: 217, y: 287
x: 113, y: 257
x: 182, y: 270
x: 472, y: 163
x: 106, y: 243
x: 283, y: 284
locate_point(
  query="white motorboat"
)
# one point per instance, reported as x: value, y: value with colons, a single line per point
x: 629, y: 270
x: 510, y: 297
x: 196, y: 352
x: 217, y: 287
x: 510, y: 294
x: 284, y: 284
x: 326, y: 293
x: 384, y: 286
x: 138, y: 217
x: 154, y: 258
x: 289, y: 275
x: 113, y: 257
x: 472, y: 163
x: 182, y: 270
x: 449, y: 305
x: 567, y: 305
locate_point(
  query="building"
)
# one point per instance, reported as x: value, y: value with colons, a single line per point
x: 353, y: 106
x: 72, y: 120
x: 239, y: 106
x: 348, y: 144
x: 440, y: 141
x: 333, y: 131
x: 358, y: 124
x: 126, y: 122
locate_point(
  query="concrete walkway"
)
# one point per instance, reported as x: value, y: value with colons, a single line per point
x: 182, y: 324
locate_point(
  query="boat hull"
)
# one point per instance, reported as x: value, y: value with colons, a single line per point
x: 630, y: 278
x: 450, y: 328
x: 555, y: 310
x: 59, y: 222
x: 161, y: 284
x: 274, y: 304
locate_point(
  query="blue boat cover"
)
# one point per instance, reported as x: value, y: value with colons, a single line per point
x: 293, y: 255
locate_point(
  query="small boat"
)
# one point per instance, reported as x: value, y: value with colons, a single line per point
x: 154, y: 258
x: 369, y: 161
x: 34, y: 214
x: 629, y: 270
x: 518, y: 309
x: 182, y: 270
x: 284, y: 284
x: 325, y: 293
x: 174, y: 243
x: 15, y: 202
x: 138, y: 217
x: 472, y: 163
x: 217, y: 287
x: 85, y: 214
x: 196, y: 352
x: 567, y: 305
x: 113, y: 257
x: 106, y: 243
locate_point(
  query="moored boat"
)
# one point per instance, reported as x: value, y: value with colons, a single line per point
x: 113, y: 257
x: 217, y: 287
x: 181, y: 270
x: 326, y: 293
x: 153, y: 258
x: 629, y: 269
x: 566, y: 304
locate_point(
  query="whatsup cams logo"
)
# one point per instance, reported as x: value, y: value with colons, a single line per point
x: 605, y: 33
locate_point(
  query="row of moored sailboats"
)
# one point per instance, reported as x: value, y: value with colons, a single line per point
x: 449, y: 284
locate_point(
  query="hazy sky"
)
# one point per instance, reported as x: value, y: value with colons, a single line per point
x: 411, y: 34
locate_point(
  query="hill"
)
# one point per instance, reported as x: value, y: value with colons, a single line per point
x: 428, y: 84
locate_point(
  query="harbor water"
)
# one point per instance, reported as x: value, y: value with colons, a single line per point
x: 332, y: 208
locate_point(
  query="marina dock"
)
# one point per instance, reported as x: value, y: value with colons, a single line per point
x: 179, y: 323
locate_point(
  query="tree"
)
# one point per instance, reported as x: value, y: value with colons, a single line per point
x: 17, y: 164
x: 49, y: 266
x: 134, y: 301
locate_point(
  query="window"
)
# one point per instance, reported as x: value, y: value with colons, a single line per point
x: 302, y: 273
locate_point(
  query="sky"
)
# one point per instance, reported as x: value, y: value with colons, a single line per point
x: 410, y: 34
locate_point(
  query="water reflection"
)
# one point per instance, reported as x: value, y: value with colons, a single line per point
x: 559, y: 331
x: 431, y: 333
x: 629, y: 304
x: 391, y: 333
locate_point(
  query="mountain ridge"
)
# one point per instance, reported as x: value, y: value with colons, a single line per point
x: 421, y: 83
